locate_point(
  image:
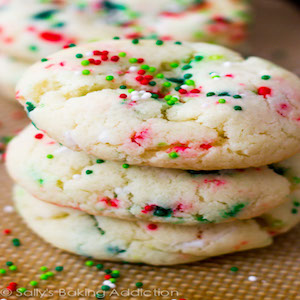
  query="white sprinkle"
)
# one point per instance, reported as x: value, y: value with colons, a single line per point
x: 252, y: 278
x: 184, y: 86
x: 61, y: 149
x: 192, y: 244
x: 227, y: 64
x: 89, y: 53
x: 134, y: 98
x: 146, y: 96
x: 76, y: 176
x: 8, y: 209
x: 109, y: 283
x: 77, y: 73
x: 132, y: 69
x: 134, y: 93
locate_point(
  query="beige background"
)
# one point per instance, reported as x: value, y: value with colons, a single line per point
x: 276, y: 36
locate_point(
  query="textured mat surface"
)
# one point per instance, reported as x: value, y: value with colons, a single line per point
x: 270, y: 273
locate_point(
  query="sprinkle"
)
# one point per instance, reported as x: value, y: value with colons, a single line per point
x: 6, y: 231
x: 159, y: 42
x: 13, y: 268
x: 198, y: 58
x: 116, y: 38
x: 105, y: 288
x: 252, y: 278
x: 264, y: 91
x: 234, y: 269
x: 100, y: 161
x: 50, y: 274
x: 237, y: 107
x: 135, y: 41
x: 265, y: 77
x: 133, y: 61
x: 125, y: 166
x: 123, y: 96
x: 237, y: 96
x: 2, y: 271
x: 177, y: 43
x: 109, y: 78
x: 294, y: 211
x: 78, y: 55
x: 59, y: 268
x: 174, y: 65
x: 139, y: 284
x: 44, y: 59
x: 44, y: 268
x: 85, y: 62
x: 9, y: 263
x: 86, y: 72
x: 122, y: 87
x: 99, y: 266
x: 16, y: 242
x: 210, y: 94
x: 122, y: 54
x: 186, y: 67
x: 100, y: 296
x: 39, y: 136
x: 160, y: 75
x: 50, y: 156
x: 43, y: 277
x: 152, y: 226
x: 33, y: 283
x: 173, y: 155
x: 167, y: 84
x: 115, y: 58
x: 89, y: 263
x: 222, y: 101
x: 22, y: 290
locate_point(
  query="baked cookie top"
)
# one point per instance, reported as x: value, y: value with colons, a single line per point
x: 44, y: 27
x: 166, y: 104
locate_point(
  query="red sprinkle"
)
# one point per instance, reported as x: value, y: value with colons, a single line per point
x: 123, y: 96
x: 264, y: 91
x: 97, y: 62
x: 141, y: 72
x: 6, y: 231
x: 39, y: 136
x: 205, y: 146
x: 104, y: 57
x: 182, y: 91
x: 115, y: 58
x: 140, y: 60
x: 107, y: 276
x: 51, y: 36
x: 152, y: 226
x: 97, y: 52
x: 195, y: 91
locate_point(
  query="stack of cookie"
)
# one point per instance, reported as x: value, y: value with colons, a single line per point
x: 157, y: 152
x: 45, y: 27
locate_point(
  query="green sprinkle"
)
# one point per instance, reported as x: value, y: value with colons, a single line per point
x: 2, y: 271
x: 139, y: 284
x: 109, y: 78
x: 130, y: 91
x: 152, y: 83
x: 132, y: 60
x: 162, y: 212
x: 210, y: 94
x: 116, y: 38
x: 43, y: 269
x: 174, y: 65
x: 222, y: 101
x: 72, y: 45
x: 86, y: 72
x: 237, y: 107
x: 30, y: 106
x: 89, y: 263
x: 16, y: 242
x: 13, y: 268
x: 125, y: 166
x: 50, y: 274
x: 33, y: 283
x: 107, y: 271
x: 152, y: 69
x: 44, y: 59
x: 44, y: 277
x: 112, y: 280
x: 234, y: 269
x: 50, y: 156
x: 177, y: 43
x: 100, y: 296
x: 159, y: 42
x: 135, y: 41
x: 215, y: 57
x: 122, y: 54
x: 145, y: 67
x: 123, y: 87
x: 265, y: 77
x: 294, y: 211
x: 99, y: 266
x: 186, y: 67
x: 85, y: 62
x: 187, y: 76
x: 190, y: 82
x: 9, y: 263
x: 237, y: 97
x: 115, y: 272
x: 100, y: 161
x: 79, y: 55
x: 59, y: 268
x: 160, y: 75
x: 296, y: 203
x: 167, y: 84
x: 88, y: 172
x: 22, y: 290
x: 105, y: 288
x: 173, y: 155
x: 154, y: 96
x: 33, y: 48
x: 198, y: 58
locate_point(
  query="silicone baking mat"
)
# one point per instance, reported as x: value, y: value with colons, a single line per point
x: 269, y: 273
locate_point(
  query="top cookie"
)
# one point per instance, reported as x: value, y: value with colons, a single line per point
x: 44, y: 27
x: 166, y: 104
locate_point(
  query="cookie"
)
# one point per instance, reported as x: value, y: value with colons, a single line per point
x: 48, y: 26
x: 164, y: 104
x: 56, y: 174
x: 118, y: 240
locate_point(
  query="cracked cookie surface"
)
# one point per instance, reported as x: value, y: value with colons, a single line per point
x: 56, y: 174
x: 167, y: 104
